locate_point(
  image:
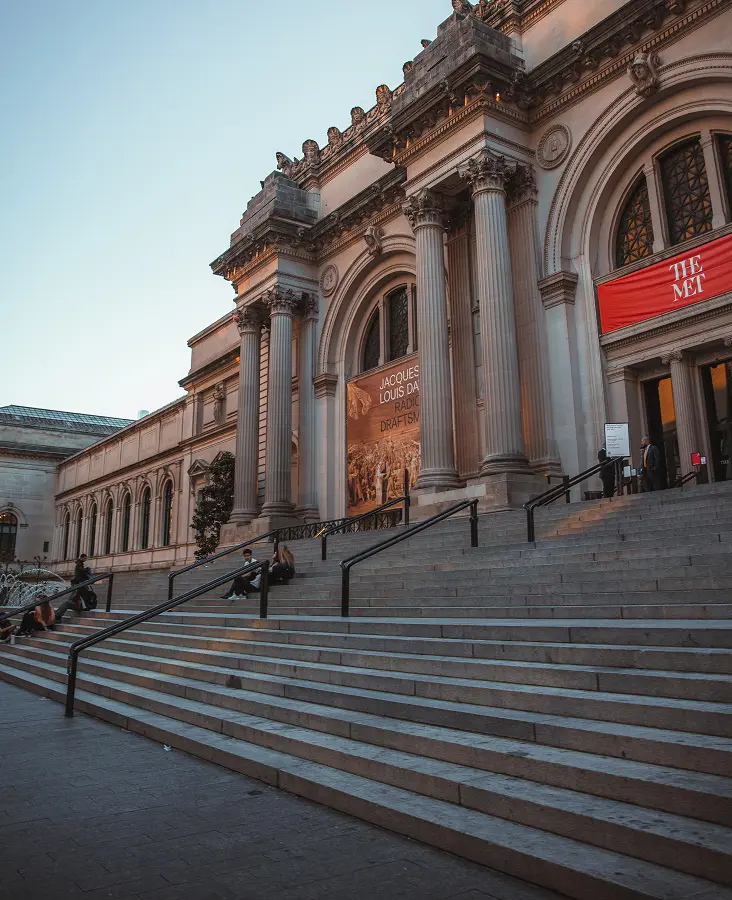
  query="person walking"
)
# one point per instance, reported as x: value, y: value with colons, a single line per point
x: 607, y: 474
x: 650, y: 467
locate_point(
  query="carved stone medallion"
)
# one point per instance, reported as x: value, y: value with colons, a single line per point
x: 328, y: 280
x: 554, y: 147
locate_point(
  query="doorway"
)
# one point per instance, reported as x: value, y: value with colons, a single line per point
x: 717, y: 382
x: 8, y: 536
x: 661, y: 419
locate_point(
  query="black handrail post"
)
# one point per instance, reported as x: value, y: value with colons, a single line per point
x: 109, y: 592
x: 530, y: 532
x: 71, y: 684
x: 345, y: 591
x: 407, y: 498
x: 264, y: 592
x: 474, y: 523
x: 565, y: 482
x: 324, y: 547
x: 171, y: 576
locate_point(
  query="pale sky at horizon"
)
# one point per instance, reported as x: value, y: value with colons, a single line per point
x: 132, y: 136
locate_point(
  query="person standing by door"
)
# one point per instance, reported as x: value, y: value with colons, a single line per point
x: 650, y: 467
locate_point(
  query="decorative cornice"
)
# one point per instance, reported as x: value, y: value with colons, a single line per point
x: 426, y: 208
x: 561, y: 287
x: 325, y: 385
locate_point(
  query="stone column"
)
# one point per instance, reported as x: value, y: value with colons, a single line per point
x: 656, y: 206
x: 278, y: 484
x: 247, y: 424
x: 714, y: 179
x: 488, y: 175
x: 463, y: 348
x: 426, y: 215
x: 308, y: 495
x: 687, y: 431
x: 533, y: 352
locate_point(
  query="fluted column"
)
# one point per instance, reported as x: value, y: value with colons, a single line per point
x: 533, y: 353
x: 488, y: 175
x: 278, y: 483
x: 247, y: 421
x: 308, y: 497
x: 687, y: 432
x: 426, y: 215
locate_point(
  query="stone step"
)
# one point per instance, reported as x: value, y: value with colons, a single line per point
x: 555, y: 861
x: 687, y: 686
x: 679, y: 749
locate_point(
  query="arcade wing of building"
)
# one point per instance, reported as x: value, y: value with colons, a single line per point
x: 460, y: 235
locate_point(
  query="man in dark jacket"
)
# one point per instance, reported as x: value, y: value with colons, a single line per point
x: 650, y: 467
x: 607, y: 475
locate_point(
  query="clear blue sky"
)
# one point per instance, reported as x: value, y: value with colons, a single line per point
x: 132, y: 135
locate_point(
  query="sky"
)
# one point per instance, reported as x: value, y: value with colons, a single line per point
x: 132, y: 135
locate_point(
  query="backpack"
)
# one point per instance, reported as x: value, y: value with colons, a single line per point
x: 91, y: 599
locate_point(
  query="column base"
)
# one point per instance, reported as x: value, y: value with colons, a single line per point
x: 234, y: 533
x: 308, y: 514
x: 511, y: 463
x: 242, y: 516
x: 495, y: 492
x: 547, y: 466
x: 271, y: 522
x: 438, y: 480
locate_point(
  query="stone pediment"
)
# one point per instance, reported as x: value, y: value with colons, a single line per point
x: 198, y: 468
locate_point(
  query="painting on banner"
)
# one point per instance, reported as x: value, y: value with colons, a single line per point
x: 382, y: 434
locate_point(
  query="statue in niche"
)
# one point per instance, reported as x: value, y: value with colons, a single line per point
x: 219, y: 408
x: 643, y: 72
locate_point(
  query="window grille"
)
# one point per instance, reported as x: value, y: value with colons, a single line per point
x: 398, y: 323
x: 686, y: 191
x: 372, y: 344
x: 67, y: 529
x: 634, y: 239
x: 79, y: 521
x: 167, y: 514
x: 108, y: 529
x: 145, y: 520
x: 8, y: 536
x: 92, y: 530
x: 126, y: 513
x: 724, y: 142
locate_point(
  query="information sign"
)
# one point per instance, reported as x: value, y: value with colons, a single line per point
x: 617, y: 439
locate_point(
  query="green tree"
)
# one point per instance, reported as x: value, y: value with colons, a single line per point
x: 214, y: 505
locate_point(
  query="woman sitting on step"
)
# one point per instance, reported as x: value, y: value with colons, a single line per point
x: 42, y: 618
x: 282, y: 568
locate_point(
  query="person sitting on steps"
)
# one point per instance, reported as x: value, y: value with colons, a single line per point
x: 42, y: 618
x: 283, y: 566
x: 243, y: 584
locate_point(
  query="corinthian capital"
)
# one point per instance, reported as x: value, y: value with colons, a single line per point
x: 309, y: 307
x: 521, y: 186
x: 487, y: 172
x: 279, y: 302
x: 425, y: 208
x: 672, y: 356
x: 247, y: 321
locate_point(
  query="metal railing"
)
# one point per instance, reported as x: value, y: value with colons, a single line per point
x: 681, y: 481
x: 140, y: 618
x: 563, y: 490
x: 348, y: 563
x: 74, y: 587
x: 274, y: 535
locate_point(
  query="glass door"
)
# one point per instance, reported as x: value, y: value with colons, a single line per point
x: 661, y: 419
x: 717, y: 381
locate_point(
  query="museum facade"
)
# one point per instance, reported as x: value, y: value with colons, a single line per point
x: 529, y: 237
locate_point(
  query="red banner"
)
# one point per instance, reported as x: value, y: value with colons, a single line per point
x: 684, y: 279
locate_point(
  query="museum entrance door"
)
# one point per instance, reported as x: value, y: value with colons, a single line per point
x: 661, y: 419
x: 717, y: 382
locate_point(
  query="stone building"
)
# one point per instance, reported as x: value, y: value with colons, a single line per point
x: 529, y: 237
x: 32, y: 443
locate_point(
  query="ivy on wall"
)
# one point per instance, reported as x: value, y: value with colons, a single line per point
x: 214, y: 505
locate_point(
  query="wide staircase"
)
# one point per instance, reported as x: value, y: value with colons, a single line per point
x: 559, y: 711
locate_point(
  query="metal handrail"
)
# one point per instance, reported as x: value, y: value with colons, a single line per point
x: 202, y: 562
x: 346, y: 523
x: 139, y: 618
x: 70, y: 590
x: 680, y: 482
x: 555, y: 493
x: 348, y: 563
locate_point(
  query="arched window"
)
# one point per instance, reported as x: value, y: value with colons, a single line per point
x: 8, y: 536
x: 634, y: 238
x: 372, y: 344
x: 686, y: 191
x: 167, y: 528
x: 77, y: 536
x: 398, y: 306
x: 126, y: 513
x: 108, y: 519
x: 145, y: 519
x: 93, y: 530
x: 725, y: 156
x: 67, y: 529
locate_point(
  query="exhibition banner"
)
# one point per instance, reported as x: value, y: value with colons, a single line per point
x: 382, y: 434
x: 686, y: 278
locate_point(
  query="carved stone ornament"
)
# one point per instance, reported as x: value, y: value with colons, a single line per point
x: 309, y: 306
x: 286, y: 165
x: 383, y: 98
x: 247, y: 321
x: 425, y: 43
x: 672, y: 356
x: 487, y: 172
x: 643, y: 72
x: 358, y: 116
x: 373, y: 236
x: 522, y: 185
x: 554, y: 147
x: 728, y: 341
x: 279, y: 302
x: 311, y: 153
x: 329, y: 280
x: 219, y: 408
x: 425, y: 208
x: 462, y: 8
x: 335, y: 136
